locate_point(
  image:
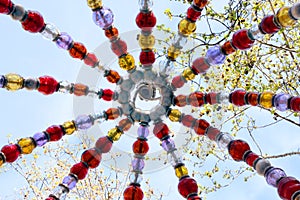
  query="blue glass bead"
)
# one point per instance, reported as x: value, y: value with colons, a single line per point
x: 138, y: 164
x: 273, y: 175
x: 281, y: 101
x: 143, y: 131
x: 84, y: 122
x: 41, y: 139
x: 70, y: 182
x: 2, y: 81
x: 64, y: 41
x: 215, y: 56
x: 103, y: 18
x: 168, y: 145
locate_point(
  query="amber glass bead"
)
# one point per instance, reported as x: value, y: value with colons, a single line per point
x: 241, y: 40
x: 14, y: 82
x: 27, y: 145
x: 237, y: 149
x: 94, y: 4
x: 200, y: 126
x: 287, y: 186
x: 212, y: 133
x: 227, y: 48
x: 181, y: 171
x: 80, y: 170
x: 2, y: 159
x: 238, y: 97
x: 145, y: 21
x: 133, y: 192
x: 200, y: 66
x: 112, y: 76
x: 211, y: 98
x: 140, y: 147
x: 103, y: 144
x: 175, y: 115
x: 80, y: 89
x: 180, y: 100
x: 252, y: 98
x: 200, y: 3
x: 146, y: 41
x: 91, y: 157
x: 127, y: 62
x: 78, y: 50
x: 187, y: 186
x: 188, y: 74
x: 266, y: 99
x: 112, y: 33
x: 112, y: 113
x: 161, y: 130
x: 284, y: 18
x: 69, y: 127
x: 196, y: 99
x: 173, y: 52
x: 11, y: 152
x: 114, y: 134
x: 188, y: 120
x: 268, y: 26
x: 178, y: 81
x: 125, y: 124
x: 186, y: 27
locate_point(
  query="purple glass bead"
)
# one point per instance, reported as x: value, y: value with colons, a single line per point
x: 273, y: 175
x: 84, y: 122
x: 64, y: 41
x: 215, y: 56
x: 138, y: 164
x: 103, y: 17
x: 168, y: 145
x: 41, y: 139
x: 281, y: 101
x: 70, y: 182
x: 2, y: 81
x: 143, y: 131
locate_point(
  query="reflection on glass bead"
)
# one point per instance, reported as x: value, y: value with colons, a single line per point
x: 64, y: 41
x: 223, y: 139
x: 281, y: 101
x: 283, y: 17
x: 255, y: 33
x: 186, y: 27
x: 114, y: 134
x: 60, y: 192
x: 168, y: 145
x: 69, y: 127
x: 295, y: 11
x: 200, y: 3
x: 188, y: 74
x: 127, y: 62
x: 13, y: 82
x: 125, y: 124
x: 181, y: 171
x: 135, y: 177
x: 287, y: 186
x: 103, y: 17
x: 261, y: 166
x: 70, y: 182
x: 193, y: 13
x: 174, y: 157
x: 6, y: 6
x: 146, y: 5
x: 18, y: 13
x: 27, y: 145
x: 94, y: 4
x: 212, y: 133
x: 266, y: 99
x: 215, y: 56
x: 200, y: 65
x: 50, y: 32
x: 119, y: 47
x: 138, y: 164
x: 273, y: 175
x: 179, y: 41
x: 133, y: 192
x: 11, y: 152
x: 84, y: 122
x: 40, y: 139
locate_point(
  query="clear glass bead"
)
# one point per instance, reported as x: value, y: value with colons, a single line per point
x: 166, y: 66
x: 135, y: 177
x: 18, y: 13
x: 60, y: 192
x: 146, y: 5
x: 255, y: 33
x: 65, y: 87
x: 174, y: 157
x: 179, y: 41
x: 50, y: 32
x: 223, y: 98
x: 295, y: 11
x: 223, y: 139
x: 261, y: 166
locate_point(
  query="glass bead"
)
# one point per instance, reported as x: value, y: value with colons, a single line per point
x: 31, y: 84
x: 166, y: 67
x: 2, y: 81
x: 295, y: 104
x: 11, y: 152
x: 196, y: 99
x: 188, y: 74
x: 112, y: 113
x: 34, y: 22
x: 51, y: 198
x: 188, y: 121
x: 186, y: 27
x: 273, y: 175
x: 94, y: 4
x: 18, y: 12
x: 143, y: 131
x: 174, y: 115
x: 237, y: 149
x: 181, y: 171
x: 168, y: 145
x: 241, y: 40
x: 65, y: 87
x: 60, y: 192
x: 161, y: 130
x: 64, y: 41
x: 13, y: 82
x: 2, y: 159
x: 107, y: 94
x: 194, y: 198
x: 27, y: 145
x: 179, y: 41
x: 114, y: 134
x: 112, y: 76
x: 255, y: 33
x: 238, y: 97
x: 223, y: 98
x: 284, y: 18
x: 281, y: 101
x: 140, y: 147
x: 55, y: 133
x: 174, y: 157
x: 80, y: 89
x: 227, y: 48
x: 146, y: 41
x: 78, y: 50
x: 252, y: 98
x: 200, y: 126
x: 80, y: 170
x: 147, y: 58
x: 250, y: 158
x: 295, y: 11
x: 200, y: 3
x: 91, y: 157
x: 193, y: 14
x: 212, y: 133
x: 187, y: 186
x: 211, y: 98
x: 173, y: 52
x: 296, y: 195
x: 70, y: 182
x: 178, y: 81
x: 127, y: 62
x: 145, y: 21
x: 146, y: 5
x: 223, y: 139
x: 138, y: 164
x: 41, y: 138
x: 103, y: 18
x: 112, y: 33
x: 268, y: 26
x: 69, y: 127
x: 91, y: 60
x: 261, y: 166
x: 215, y: 56
x: 266, y: 99
x: 287, y: 186
x: 84, y: 122
x: 119, y: 47
x: 47, y: 85
x: 180, y: 100
x: 136, y: 76
x: 200, y: 65
x: 6, y: 6
x: 103, y: 144
x: 50, y: 32
x: 135, y: 177
x: 133, y: 192
x: 125, y: 124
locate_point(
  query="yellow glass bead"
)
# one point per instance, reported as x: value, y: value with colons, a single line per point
x: 186, y: 27
x: 2, y: 159
x: 175, y: 115
x: 283, y: 17
x: 69, y: 127
x: 115, y: 134
x: 266, y: 99
x: 146, y: 41
x: 27, y: 145
x: 181, y: 171
x: 94, y: 4
x: 173, y: 52
x: 127, y: 62
x: 14, y: 82
x: 188, y: 74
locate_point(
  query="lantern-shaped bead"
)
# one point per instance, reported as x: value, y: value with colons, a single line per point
x: 146, y: 41
x: 14, y: 82
x: 196, y: 99
x: 237, y: 149
x: 94, y: 4
x: 241, y: 40
x: 127, y: 62
x: 133, y: 192
x: 112, y: 76
x: 115, y: 134
x: 200, y: 3
x: 252, y: 98
x: 34, y: 22
x: 47, y: 85
x: 173, y: 52
x: 200, y: 65
x: 6, y: 6
x: 174, y: 115
x: 201, y: 126
x: 238, y: 97
x: 268, y: 25
x: 287, y: 186
x: 103, y: 17
x: 193, y: 14
x: 186, y: 27
x: 181, y: 171
x: 91, y: 157
x: 112, y: 113
x: 188, y: 121
x: 125, y: 124
x: 119, y: 47
x: 78, y: 50
x: 112, y: 33
x: 69, y: 127
x: 55, y: 133
x: 227, y: 48
x: 284, y: 18
x: 143, y: 131
x: 160, y: 130
x: 147, y: 58
x: 64, y: 41
x: 145, y: 21
x: 11, y: 152
x: 266, y: 99
x: 80, y: 170
x: 27, y: 145
x: 178, y: 81
x: 187, y: 186
x: 180, y: 100
x: 140, y: 147
x: 295, y: 104
x: 188, y: 74
x: 80, y: 89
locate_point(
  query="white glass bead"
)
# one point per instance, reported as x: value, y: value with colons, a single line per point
x: 179, y: 41
x: 295, y: 11
x: 146, y: 4
x: 223, y: 139
x: 50, y: 32
x: 174, y: 157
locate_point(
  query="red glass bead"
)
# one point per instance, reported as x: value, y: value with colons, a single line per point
x: 112, y: 113
x: 51, y: 198
x: 196, y: 99
x: 125, y: 124
x: 147, y: 58
x: 295, y: 104
x: 6, y: 6
x: 212, y: 133
x: 55, y: 133
x: 178, y: 82
x: 104, y: 144
x: 91, y: 157
x: 80, y: 89
x: 193, y: 14
x: 80, y: 170
x: 200, y: 126
x: 111, y: 33
x: 187, y: 186
x: 11, y: 152
x: 34, y: 22
x: 47, y: 85
x: 113, y: 76
x: 180, y: 100
x: 237, y: 149
x: 268, y: 26
x: 252, y: 98
x: 119, y: 47
x: 78, y: 50
x: 211, y: 98
x: 200, y: 66
x: 107, y: 95
x: 91, y: 60
x: 227, y: 48
x: 194, y: 198
x: 250, y: 158
x: 237, y: 97
x: 140, y: 147
x: 200, y: 3
x: 133, y: 192
x: 145, y: 21
x: 287, y: 186
x: 160, y: 130
x: 188, y: 120
x: 241, y: 40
